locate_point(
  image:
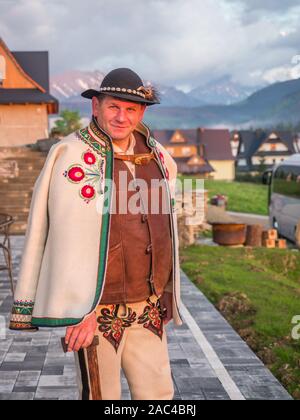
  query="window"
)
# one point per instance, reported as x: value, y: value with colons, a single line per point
x: 286, y: 181
x: 186, y: 151
x: 2, y: 69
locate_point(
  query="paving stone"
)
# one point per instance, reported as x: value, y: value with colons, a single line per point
x: 55, y: 370
x: 15, y: 357
x: 28, y: 378
x: 22, y: 396
x: 7, y: 381
x: 67, y: 393
x: 55, y: 381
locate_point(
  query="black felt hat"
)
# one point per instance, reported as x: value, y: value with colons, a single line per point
x: 125, y: 84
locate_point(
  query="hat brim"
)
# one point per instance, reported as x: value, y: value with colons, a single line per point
x: 90, y: 93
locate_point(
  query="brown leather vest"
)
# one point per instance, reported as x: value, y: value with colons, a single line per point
x: 140, y: 247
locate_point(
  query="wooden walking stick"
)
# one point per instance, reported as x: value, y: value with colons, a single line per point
x: 93, y: 367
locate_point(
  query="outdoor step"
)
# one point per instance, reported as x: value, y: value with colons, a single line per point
x: 16, y: 196
x: 18, y: 228
x: 4, y: 188
x: 21, y: 209
x: 15, y: 210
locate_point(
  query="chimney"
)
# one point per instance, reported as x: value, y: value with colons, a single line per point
x: 200, y: 150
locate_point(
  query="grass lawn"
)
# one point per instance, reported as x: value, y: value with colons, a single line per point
x: 258, y: 291
x: 243, y: 197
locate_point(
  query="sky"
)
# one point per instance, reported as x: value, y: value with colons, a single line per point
x: 183, y: 43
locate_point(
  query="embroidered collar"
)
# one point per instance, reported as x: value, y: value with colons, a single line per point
x: 101, y: 142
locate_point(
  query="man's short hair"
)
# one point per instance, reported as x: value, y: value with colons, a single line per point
x: 102, y: 96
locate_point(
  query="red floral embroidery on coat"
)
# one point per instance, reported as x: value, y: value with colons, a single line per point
x: 88, y: 192
x: 167, y: 174
x: 161, y: 156
x: 76, y: 173
x: 89, y: 158
x: 92, y: 176
x: 112, y: 326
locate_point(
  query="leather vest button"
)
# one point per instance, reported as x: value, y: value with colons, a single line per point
x: 149, y: 249
x: 144, y: 218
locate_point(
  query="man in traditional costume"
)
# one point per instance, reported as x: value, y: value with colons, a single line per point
x: 101, y: 248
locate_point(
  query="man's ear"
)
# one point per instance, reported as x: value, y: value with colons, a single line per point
x: 95, y: 106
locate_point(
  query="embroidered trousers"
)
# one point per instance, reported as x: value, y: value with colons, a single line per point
x: 132, y: 338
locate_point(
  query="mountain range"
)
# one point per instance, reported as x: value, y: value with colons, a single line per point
x: 220, y: 103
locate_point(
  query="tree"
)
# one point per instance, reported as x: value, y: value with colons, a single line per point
x: 68, y: 122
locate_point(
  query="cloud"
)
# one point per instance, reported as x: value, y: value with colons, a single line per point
x: 181, y: 42
x: 263, y: 5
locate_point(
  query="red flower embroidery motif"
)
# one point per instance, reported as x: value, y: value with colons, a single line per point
x: 112, y: 326
x: 152, y: 318
x: 161, y: 156
x: 76, y: 174
x: 88, y: 192
x: 89, y: 158
x: 167, y: 174
x: 92, y: 176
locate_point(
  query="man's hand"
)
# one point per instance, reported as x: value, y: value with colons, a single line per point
x: 166, y: 303
x: 82, y: 336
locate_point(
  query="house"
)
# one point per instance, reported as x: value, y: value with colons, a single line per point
x: 203, y: 152
x: 262, y: 148
x: 25, y: 101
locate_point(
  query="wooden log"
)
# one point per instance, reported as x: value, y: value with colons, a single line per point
x: 254, y: 235
x: 269, y: 243
x: 281, y: 244
x: 270, y: 234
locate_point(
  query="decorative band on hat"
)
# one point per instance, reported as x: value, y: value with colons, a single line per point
x: 146, y: 93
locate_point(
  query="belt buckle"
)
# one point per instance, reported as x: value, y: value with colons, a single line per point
x: 142, y: 160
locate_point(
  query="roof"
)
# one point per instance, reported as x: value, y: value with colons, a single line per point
x: 216, y: 141
x: 252, y: 140
x: 21, y: 96
x: 163, y: 136
x: 19, y: 67
x: 36, y: 65
x: 183, y: 167
x: 217, y: 144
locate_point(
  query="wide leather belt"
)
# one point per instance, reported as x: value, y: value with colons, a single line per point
x: 138, y: 159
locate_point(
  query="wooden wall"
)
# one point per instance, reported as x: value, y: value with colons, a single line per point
x: 22, y: 124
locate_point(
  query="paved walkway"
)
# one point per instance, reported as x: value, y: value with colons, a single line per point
x: 209, y: 360
x: 251, y: 219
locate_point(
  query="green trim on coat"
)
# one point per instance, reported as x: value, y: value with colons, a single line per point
x: 104, y: 242
x: 55, y: 322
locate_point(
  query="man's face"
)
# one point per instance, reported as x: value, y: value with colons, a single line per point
x: 116, y: 117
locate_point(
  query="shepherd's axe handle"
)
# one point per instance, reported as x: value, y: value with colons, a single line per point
x: 95, y: 343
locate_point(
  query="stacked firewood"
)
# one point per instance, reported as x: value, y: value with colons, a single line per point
x: 258, y: 237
